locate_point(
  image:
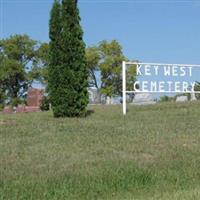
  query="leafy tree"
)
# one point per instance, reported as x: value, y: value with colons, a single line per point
x: 111, y: 66
x: 107, y: 59
x: 68, y: 73
x: 22, y: 60
x: 17, y: 58
x: 93, y: 59
x: 131, y: 76
x: 40, y: 71
x: 197, y: 88
x: 2, y: 97
x: 45, y: 104
x: 130, y: 79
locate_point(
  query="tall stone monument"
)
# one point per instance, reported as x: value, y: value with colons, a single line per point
x: 34, y: 97
x: 34, y: 100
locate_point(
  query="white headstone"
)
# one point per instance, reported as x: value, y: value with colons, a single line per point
x: 109, y: 100
x: 182, y: 99
x: 143, y: 99
x: 94, y: 95
x: 193, y: 97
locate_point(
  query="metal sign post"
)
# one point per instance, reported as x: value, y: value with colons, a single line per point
x: 124, y: 86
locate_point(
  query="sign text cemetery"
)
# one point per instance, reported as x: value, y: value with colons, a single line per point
x: 160, y: 78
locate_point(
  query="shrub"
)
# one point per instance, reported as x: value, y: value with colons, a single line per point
x: 45, y: 104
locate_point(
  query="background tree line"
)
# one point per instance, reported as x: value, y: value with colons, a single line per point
x: 24, y: 60
x: 105, y: 60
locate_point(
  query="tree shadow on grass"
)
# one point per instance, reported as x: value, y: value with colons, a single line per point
x: 89, y: 112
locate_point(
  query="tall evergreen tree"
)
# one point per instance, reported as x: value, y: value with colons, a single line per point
x: 75, y: 72
x: 54, y: 74
x: 68, y: 87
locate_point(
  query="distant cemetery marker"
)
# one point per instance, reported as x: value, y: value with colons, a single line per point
x: 34, y: 97
x: 34, y: 100
x: 175, y: 79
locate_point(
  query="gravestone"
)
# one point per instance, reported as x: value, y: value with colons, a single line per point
x: 94, y: 95
x: 20, y: 109
x: 34, y: 100
x: 8, y: 110
x: 182, y: 99
x: 193, y: 97
x: 109, y: 100
x: 34, y: 97
x: 143, y: 99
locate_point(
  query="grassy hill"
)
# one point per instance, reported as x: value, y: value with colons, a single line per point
x: 152, y: 153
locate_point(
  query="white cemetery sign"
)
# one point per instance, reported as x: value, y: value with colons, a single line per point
x: 171, y: 83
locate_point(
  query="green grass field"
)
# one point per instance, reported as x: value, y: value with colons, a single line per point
x: 152, y: 153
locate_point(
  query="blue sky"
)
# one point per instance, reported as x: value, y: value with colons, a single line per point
x: 166, y: 31
x: 151, y: 31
